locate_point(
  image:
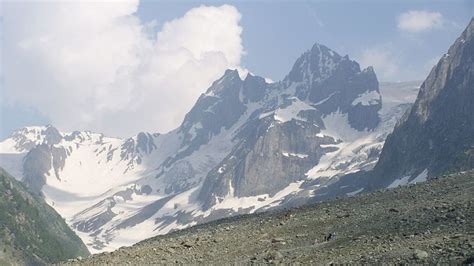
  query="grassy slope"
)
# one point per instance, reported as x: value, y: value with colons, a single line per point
x: 428, y: 222
x: 31, y: 232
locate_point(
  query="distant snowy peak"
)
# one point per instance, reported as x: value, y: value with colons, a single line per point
x: 37, y: 154
x: 24, y: 139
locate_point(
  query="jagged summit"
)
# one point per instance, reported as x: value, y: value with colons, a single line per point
x: 231, y: 76
x: 319, y: 63
x: 336, y: 83
x: 26, y: 138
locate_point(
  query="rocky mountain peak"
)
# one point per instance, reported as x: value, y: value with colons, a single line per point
x: 336, y: 84
x: 254, y: 88
x: 315, y: 65
x: 230, y: 79
x: 28, y: 137
x: 52, y: 135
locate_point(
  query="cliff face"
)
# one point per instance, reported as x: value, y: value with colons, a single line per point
x: 437, y: 135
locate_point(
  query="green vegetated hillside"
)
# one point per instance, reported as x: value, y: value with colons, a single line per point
x: 430, y: 222
x: 31, y: 232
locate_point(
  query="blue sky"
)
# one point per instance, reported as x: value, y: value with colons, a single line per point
x: 276, y: 33
x: 273, y: 35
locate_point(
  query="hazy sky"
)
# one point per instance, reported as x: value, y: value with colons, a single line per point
x: 131, y: 66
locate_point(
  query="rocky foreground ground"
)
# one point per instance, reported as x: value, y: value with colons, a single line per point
x: 432, y: 222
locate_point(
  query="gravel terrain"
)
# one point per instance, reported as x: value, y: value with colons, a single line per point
x: 432, y: 222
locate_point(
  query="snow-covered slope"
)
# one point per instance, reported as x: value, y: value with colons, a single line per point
x: 245, y: 146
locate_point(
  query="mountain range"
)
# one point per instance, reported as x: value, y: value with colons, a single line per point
x: 251, y: 146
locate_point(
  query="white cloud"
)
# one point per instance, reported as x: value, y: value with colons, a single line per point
x: 383, y: 60
x: 89, y: 65
x: 419, y: 20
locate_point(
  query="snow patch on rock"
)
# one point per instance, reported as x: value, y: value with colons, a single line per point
x: 368, y: 98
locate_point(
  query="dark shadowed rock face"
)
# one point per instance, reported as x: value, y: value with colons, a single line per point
x: 145, y: 143
x: 438, y: 133
x: 269, y: 158
x: 39, y: 159
x: 37, y: 164
x: 134, y: 148
x: 219, y: 108
x: 52, y: 135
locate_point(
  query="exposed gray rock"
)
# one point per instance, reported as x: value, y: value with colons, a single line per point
x: 266, y: 161
x: 219, y: 108
x: 47, y: 135
x: 438, y: 133
x: 51, y: 135
x: 177, y: 177
x: 145, y: 143
x: 36, y: 164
